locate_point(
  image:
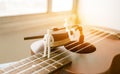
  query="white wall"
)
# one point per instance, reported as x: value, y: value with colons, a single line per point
x: 100, y: 12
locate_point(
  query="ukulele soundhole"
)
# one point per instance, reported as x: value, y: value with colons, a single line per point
x: 81, y: 48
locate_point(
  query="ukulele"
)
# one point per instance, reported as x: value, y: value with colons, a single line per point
x: 60, y: 57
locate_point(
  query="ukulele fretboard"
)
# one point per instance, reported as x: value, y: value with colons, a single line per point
x: 38, y: 64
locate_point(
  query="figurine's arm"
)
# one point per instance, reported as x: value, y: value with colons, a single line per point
x: 57, y: 29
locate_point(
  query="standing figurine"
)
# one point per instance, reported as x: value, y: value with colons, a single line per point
x: 74, y: 30
x: 48, y: 40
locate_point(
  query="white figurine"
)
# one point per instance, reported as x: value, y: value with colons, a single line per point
x: 48, y: 40
x: 72, y: 29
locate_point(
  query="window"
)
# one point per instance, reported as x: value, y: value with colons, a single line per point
x: 62, y: 5
x: 18, y: 7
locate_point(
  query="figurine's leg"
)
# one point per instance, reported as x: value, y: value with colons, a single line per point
x: 81, y: 39
x: 48, y: 46
x: 45, y: 45
x: 45, y: 50
x: 49, y: 50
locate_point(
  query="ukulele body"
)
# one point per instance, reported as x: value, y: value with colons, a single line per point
x: 99, y: 62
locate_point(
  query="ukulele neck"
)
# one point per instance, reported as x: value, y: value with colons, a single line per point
x: 38, y: 64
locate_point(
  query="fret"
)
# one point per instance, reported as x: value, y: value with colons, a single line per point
x: 51, y: 56
x: 7, y: 68
x: 53, y: 53
x: 42, y: 72
x: 38, y: 66
x: 31, y: 58
x: 39, y: 71
x: 22, y: 62
x: 56, y: 62
x: 50, y: 60
x: 40, y: 63
x: 44, y: 62
x: 21, y: 65
x: 64, y: 60
x: 52, y: 70
x: 49, y: 63
x: 57, y: 65
x: 49, y: 67
x: 32, y: 69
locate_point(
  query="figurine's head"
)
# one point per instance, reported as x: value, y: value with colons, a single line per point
x: 70, y: 21
x: 49, y: 31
